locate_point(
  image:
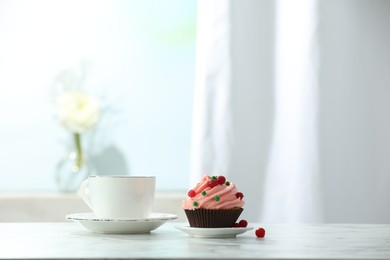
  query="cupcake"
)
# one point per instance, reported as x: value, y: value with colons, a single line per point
x: 213, y: 203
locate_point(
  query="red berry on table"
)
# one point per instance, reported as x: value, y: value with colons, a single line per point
x: 260, y: 232
x: 236, y: 225
x: 243, y: 223
x: 221, y: 180
x: 213, y: 183
x: 191, y: 193
x: 239, y: 195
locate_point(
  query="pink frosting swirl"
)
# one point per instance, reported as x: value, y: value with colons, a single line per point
x: 221, y: 196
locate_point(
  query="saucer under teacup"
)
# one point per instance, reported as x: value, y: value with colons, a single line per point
x: 121, y: 226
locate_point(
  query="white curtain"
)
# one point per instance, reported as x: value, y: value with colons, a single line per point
x: 292, y: 103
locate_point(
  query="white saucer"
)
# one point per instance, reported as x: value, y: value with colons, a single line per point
x: 214, y: 232
x: 120, y: 226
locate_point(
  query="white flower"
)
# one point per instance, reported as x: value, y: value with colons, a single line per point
x: 78, y: 111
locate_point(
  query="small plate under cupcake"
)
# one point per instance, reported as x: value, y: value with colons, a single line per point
x: 228, y: 232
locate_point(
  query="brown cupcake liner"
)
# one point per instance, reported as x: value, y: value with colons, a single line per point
x: 213, y: 218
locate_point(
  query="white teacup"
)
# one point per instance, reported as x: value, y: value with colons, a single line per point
x: 119, y: 197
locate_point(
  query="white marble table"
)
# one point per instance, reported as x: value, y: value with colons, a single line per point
x: 71, y: 241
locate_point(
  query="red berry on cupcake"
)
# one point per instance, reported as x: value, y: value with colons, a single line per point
x: 221, y: 180
x: 191, y: 193
x: 239, y: 195
x: 212, y: 183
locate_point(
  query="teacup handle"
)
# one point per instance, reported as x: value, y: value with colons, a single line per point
x: 84, y: 194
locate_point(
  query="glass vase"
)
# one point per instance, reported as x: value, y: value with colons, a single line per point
x: 73, y: 168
